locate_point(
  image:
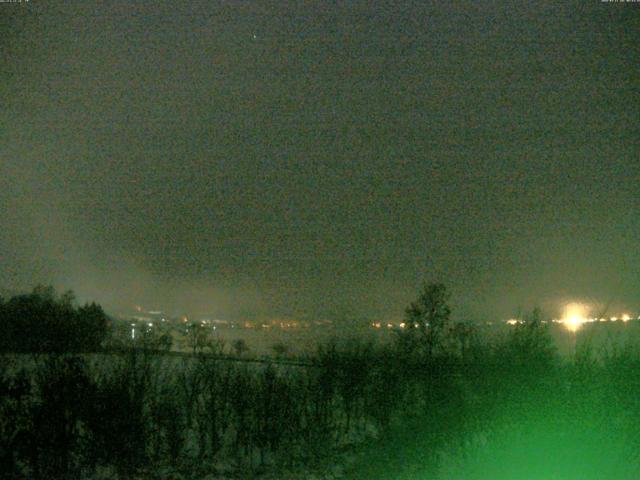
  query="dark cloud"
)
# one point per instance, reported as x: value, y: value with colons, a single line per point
x: 316, y: 160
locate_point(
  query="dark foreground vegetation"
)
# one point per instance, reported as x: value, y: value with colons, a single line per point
x: 436, y: 403
x: 44, y: 322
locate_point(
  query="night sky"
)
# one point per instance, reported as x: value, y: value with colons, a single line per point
x: 321, y: 159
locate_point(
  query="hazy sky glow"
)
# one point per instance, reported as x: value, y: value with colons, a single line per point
x: 266, y: 159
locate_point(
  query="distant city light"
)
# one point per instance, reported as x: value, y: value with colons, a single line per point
x: 575, y: 314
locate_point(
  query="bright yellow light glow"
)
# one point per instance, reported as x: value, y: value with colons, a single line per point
x: 626, y: 318
x: 575, y: 314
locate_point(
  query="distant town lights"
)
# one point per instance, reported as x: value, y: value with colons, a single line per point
x: 576, y: 314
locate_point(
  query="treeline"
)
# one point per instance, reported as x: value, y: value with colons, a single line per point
x: 437, y: 402
x: 505, y: 410
x: 45, y: 322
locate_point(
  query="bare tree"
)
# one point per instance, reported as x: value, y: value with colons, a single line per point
x: 198, y: 337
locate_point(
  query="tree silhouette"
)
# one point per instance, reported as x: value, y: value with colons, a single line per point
x: 198, y: 337
x: 91, y: 327
x: 41, y: 322
x: 428, y: 315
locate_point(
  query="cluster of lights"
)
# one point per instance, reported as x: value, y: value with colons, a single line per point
x: 575, y: 315
x: 134, y: 325
x: 392, y: 325
x: 574, y: 323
